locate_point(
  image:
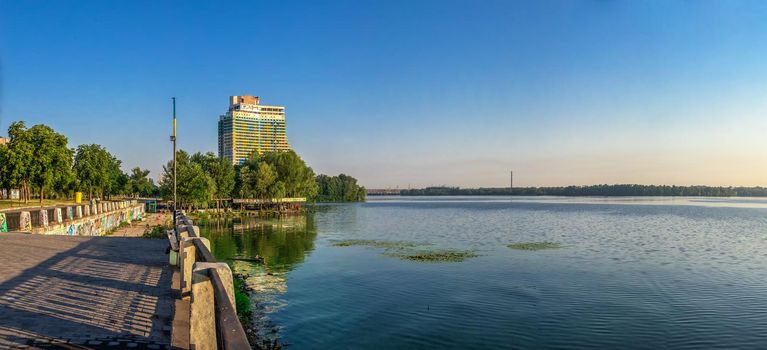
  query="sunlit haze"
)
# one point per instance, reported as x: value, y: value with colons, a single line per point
x: 411, y: 93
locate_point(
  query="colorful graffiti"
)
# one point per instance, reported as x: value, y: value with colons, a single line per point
x: 25, y: 221
x: 44, y: 218
x: 3, y: 223
x: 91, y: 225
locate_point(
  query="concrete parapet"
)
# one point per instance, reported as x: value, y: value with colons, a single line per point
x: 70, y: 213
x: 187, y: 258
x: 79, y: 212
x: 202, y: 320
x: 87, y: 210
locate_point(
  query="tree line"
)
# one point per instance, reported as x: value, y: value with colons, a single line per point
x: 39, y: 163
x: 594, y: 190
x: 205, y: 179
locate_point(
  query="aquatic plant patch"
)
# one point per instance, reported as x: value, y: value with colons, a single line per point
x: 377, y: 244
x: 406, y: 250
x: 535, y: 246
x: 447, y: 255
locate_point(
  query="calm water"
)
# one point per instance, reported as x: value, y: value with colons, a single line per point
x: 632, y: 273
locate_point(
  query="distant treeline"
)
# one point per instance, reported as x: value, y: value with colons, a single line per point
x: 341, y: 188
x: 595, y: 190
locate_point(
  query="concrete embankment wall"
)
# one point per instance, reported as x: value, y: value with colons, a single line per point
x: 83, y: 220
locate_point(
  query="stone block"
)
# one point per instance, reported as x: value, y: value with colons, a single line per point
x: 187, y: 258
x: 202, y: 320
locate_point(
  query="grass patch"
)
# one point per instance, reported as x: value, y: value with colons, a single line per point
x: 449, y: 255
x: 242, y: 302
x: 32, y: 203
x: 535, y: 246
x: 156, y: 232
x: 114, y: 229
x: 377, y: 244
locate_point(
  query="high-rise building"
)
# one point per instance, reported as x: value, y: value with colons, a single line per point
x: 249, y: 127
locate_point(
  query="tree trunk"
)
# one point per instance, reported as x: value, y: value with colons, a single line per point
x: 42, y: 194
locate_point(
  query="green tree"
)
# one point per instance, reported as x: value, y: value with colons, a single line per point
x: 118, y: 181
x: 220, y: 170
x: 17, y: 168
x: 297, y: 178
x: 341, y: 188
x: 140, y: 183
x: 51, y: 161
x: 194, y: 187
x: 93, y: 166
x: 257, y: 180
x: 5, y: 183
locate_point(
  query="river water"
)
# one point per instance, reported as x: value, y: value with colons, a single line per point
x: 631, y: 273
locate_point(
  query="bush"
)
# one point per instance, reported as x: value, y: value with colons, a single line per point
x: 156, y: 232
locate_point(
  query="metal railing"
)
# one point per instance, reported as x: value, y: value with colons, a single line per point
x: 229, y: 332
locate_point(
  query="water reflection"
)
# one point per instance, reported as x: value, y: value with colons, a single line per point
x: 283, y: 242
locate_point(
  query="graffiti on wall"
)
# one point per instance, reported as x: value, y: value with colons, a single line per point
x: 58, y: 215
x: 44, y: 218
x: 89, y: 226
x: 25, y: 221
x: 3, y: 223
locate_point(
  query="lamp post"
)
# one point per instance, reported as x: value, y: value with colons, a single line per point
x: 173, y: 139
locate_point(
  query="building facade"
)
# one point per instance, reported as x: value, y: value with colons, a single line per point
x: 4, y: 140
x: 249, y: 127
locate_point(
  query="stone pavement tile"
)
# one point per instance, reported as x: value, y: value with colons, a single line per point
x: 83, y: 289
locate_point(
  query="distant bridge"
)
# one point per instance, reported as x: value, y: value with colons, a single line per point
x: 383, y: 192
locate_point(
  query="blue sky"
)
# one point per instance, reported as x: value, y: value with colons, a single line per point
x: 411, y: 93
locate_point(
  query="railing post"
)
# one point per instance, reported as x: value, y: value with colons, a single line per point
x: 202, y: 322
x: 187, y: 258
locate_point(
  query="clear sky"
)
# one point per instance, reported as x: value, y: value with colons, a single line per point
x: 411, y: 93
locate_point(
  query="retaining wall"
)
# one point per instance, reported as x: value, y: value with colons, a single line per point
x: 82, y: 220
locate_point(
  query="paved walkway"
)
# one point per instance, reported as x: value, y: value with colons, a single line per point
x: 98, y: 292
x: 137, y: 228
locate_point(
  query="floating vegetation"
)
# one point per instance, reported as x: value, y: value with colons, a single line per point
x: 449, y: 255
x: 406, y: 250
x: 377, y: 244
x: 535, y: 246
